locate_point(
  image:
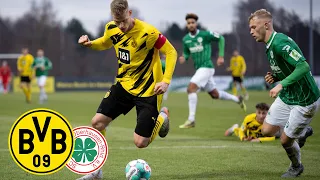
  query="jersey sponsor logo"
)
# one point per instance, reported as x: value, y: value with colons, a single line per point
x: 41, y: 141
x: 275, y: 68
x: 90, y: 151
x: 188, y: 41
x: 197, y: 48
x: 271, y: 54
x: 295, y: 55
x: 124, y: 56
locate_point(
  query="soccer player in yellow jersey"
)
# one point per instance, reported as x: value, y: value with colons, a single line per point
x: 250, y: 129
x: 140, y: 80
x: 25, y: 70
x: 238, y: 69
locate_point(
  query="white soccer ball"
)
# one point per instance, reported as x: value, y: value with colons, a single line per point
x: 138, y: 170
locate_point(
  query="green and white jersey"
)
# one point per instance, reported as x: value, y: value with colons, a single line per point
x: 42, y: 62
x: 284, y: 55
x: 198, y: 46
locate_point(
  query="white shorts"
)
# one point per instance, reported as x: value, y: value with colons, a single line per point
x: 203, y: 78
x: 41, y: 80
x: 293, y: 118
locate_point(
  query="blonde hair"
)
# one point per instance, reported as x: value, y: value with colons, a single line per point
x: 118, y: 7
x: 261, y: 13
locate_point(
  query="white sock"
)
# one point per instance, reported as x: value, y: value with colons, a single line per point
x: 42, y: 94
x: 226, y: 96
x: 193, y: 99
x: 294, y: 154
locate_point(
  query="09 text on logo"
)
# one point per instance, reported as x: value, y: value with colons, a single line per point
x: 41, y: 141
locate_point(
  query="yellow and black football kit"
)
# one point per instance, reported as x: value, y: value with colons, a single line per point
x: 139, y: 71
x: 251, y: 128
x: 237, y: 67
x: 24, y: 66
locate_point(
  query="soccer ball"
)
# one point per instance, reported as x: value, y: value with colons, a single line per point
x: 138, y: 170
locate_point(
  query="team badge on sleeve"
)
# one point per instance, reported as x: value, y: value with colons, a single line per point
x: 295, y: 55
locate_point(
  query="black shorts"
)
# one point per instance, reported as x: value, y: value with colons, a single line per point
x: 118, y: 101
x: 25, y: 79
x: 237, y: 79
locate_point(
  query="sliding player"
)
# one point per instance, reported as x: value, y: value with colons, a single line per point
x: 250, y: 129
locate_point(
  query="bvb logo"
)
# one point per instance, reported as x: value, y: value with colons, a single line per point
x: 41, y: 141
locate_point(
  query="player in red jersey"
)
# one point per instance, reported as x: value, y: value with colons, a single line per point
x: 5, y: 76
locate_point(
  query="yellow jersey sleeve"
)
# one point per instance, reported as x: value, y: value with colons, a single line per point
x: 160, y: 42
x: 103, y: 42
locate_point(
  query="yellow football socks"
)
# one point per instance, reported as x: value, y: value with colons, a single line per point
x: 156, y: 128
x: 234, y: 90
x: 28, y: 95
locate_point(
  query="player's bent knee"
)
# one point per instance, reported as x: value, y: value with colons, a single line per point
x: 286, y: 141
x: 141, y: 143
x: 192, y: 88
x: 100, y: 121
x: 214, y: 94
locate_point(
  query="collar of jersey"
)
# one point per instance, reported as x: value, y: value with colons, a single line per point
x: 193, y: 36
x: 271, y: 39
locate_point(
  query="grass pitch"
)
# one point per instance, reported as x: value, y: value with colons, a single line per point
x: 199, y: 153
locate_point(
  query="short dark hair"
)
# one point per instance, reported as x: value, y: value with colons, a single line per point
x: 192, y: 16
x: 262, y: 106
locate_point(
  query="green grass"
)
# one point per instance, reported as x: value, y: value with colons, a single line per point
x: 199, y: 153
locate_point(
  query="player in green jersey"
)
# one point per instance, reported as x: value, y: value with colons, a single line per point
x: 197, y: 45
x: 42, y: 65
x: 297, y: 95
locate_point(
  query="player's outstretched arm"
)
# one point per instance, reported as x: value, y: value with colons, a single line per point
x: 266, y: 139
x: 99, y: 44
